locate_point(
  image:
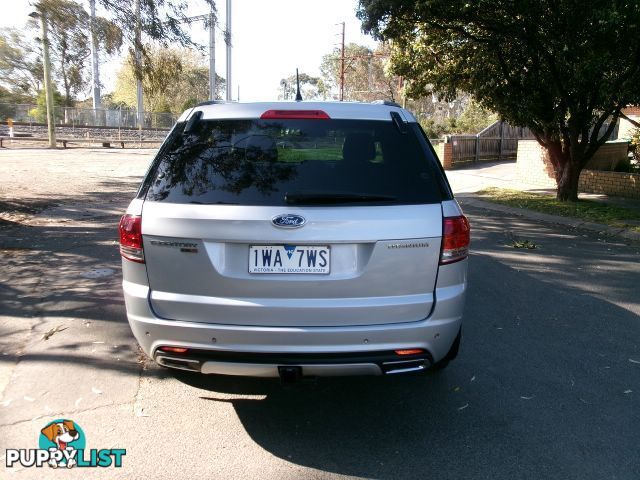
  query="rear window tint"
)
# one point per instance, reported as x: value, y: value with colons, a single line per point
x: 260, y: 162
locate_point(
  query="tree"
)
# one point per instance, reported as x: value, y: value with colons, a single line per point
x: 69, y: 37
x: 474, y: 118
x: 366, y: 77
x: 563, y: 68
x: 20, y: 67
x: 176, y: 79
x: 164, y: 21
x: 40, y: 111
x: 311, y: 88
x: 471, y: 120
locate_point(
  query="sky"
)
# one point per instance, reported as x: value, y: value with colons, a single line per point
x: 270, y: 39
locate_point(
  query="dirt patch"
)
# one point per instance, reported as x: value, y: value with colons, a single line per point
x: 15, y: 213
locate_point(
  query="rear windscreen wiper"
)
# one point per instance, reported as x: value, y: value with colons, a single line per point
x: 332, y: 197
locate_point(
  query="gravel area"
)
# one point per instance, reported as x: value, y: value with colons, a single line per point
x: 39, y: 186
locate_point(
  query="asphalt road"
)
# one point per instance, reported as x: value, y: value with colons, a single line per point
x: 547, y: 384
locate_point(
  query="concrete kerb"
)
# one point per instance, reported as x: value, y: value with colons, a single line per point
x: 547, y: 218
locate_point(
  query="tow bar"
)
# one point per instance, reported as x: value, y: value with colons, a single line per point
x: 289, y: 374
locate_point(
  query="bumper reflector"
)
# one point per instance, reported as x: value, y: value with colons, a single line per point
x: 174, y: 349
x: 409, y: 351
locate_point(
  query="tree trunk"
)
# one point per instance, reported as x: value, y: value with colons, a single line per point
x: 568, y: 183
x: 568, y: 158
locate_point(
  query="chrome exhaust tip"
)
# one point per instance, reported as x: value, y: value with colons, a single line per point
x: 179, y: 363
x: 404, y: 366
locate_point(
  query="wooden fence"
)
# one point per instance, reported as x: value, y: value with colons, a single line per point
x: 497, y: 142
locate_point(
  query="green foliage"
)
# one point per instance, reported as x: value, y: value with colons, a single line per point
x: 632, y: 163
x: 69, y: 36
x: 635, y: 146
x: 14, y: 96
x: 366, y: 74
x: 562, y: 68
x: 20, y: 68
x: 5, y: 97
x: 437, y: 128
x: 165, y: 22
x: 368, y: 77
x: 175, y: 79
x: 475, y: 118
x: 40, y: 112
x: 311, y: 88
x: 472, y: 120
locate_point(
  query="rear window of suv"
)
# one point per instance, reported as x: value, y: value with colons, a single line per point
x: 301, y: 162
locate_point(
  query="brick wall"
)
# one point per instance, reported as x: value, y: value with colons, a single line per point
x: 609, y: 155
x: 610, y: 183
x: 533, y: 167
x: 445, y: 154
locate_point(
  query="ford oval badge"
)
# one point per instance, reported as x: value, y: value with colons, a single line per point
x: 289, y: 220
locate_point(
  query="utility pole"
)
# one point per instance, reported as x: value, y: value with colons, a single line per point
x: 342, y: 66
x: 138, y: 61
x: 95, y: 68
x: 51, y: 128
x: 227, y: 39
x: 212, y: 56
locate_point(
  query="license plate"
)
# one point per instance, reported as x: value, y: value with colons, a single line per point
x: 289, y: 259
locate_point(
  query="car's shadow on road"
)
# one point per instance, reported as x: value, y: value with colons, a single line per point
x: 538, y: 390
x: 363, y: 426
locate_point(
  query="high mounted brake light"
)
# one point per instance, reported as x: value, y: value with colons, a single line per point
x: 294, y: 114
x: 456, y: 236
x: 131, y: 238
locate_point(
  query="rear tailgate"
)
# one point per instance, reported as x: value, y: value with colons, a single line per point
x: 383, y: 264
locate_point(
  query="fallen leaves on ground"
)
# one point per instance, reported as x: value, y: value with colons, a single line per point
x: 53, y: 331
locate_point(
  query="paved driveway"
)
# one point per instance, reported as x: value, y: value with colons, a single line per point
x: 547, y: 384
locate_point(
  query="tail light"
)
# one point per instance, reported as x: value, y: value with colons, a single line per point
x: 456, y: 236
x: 131, y: 238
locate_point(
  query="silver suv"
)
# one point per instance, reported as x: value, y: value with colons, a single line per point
x: 296, y: 239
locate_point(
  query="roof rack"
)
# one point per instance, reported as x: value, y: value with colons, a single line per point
x: 389, y: 103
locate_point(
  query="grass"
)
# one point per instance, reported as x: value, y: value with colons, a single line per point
x: 297, y: 155
x: 588, y: 210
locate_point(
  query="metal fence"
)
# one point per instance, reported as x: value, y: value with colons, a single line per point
x: 86, y: 117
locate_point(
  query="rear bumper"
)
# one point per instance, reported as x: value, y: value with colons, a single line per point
x: 434, y: 334
x: 270, y: 365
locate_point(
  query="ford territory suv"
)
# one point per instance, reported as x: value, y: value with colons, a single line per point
x: 296, y: 239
